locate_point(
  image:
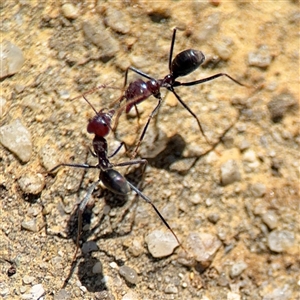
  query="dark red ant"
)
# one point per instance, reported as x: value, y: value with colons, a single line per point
x: 100, y: 125
x: 183, y: 64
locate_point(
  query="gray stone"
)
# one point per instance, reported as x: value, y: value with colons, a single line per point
x: 129, y: 274
x: 280, y: 240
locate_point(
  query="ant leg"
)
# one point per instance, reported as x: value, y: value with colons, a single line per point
x: 156, y: 210
x: 146, y: 127
x: 171, y: 49
x: 206, y: 79
x: 192, y: 113
x: 84, y: 166
x: 81, y: 209
x: 118, y: 149
x: 95, y: 89
x: 131, y: 162
x: 140, y: 73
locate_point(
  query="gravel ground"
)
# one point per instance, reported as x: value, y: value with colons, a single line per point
x: 235, y: 208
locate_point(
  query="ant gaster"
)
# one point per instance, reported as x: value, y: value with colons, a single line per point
x: 183, y: 64
x: 100, y: 125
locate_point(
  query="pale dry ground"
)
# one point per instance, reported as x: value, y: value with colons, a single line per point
x: 59, y: 60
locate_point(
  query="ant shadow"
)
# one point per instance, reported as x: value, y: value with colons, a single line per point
x: 85, y: 262
x: 172, y: 153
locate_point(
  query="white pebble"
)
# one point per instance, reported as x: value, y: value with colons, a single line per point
x: 70, y: 11
x: 230, y: 172
x: 11, y: 59
x: 17, y: 139
x: 201, y: 247
x: 161, y: 243
x: 280, y: 240
x: 233, y: 296
x: 30, y: 225
x: 270, y: 219
x: 35, y: 293
x: 32, y: 183
x: 27, y: 279
x: 237, y: 269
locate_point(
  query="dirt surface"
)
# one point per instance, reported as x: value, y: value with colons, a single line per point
x: 71, y: 49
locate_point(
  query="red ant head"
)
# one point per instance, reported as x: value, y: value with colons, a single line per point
x: 100, y: 124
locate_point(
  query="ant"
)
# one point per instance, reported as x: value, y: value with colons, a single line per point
x: 100, y: 125
x: 139, y: 90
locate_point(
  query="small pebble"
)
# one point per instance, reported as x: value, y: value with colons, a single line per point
x: 28, y: 279
x: 237, y: 269
x: 117, y: 20
x: 34, y: 210
x: 49, y: 156
x: 224, y: 48
x: 70, y: 11
x: 280, y: 104
x: 11, y: 59
x: 136, y: 248
x: 4, y: 290
x: 196, y: 198
x: 230, y: 172
x: 258, y: 189
x: 129, y: 274
x: 203, y: 33
x: 32, y: 183
x: 249, y: 155
x: 213, y: 218
x: 244, y: 145
x: 261, y: 58
x: 35, y: 293
x: 17, y: 139
x: 270, y: 219
x: 233, y: 296
x: 96, y: 33
x: 89, y: 246
x: 131, y: 296
x: 97, y: 268
x: 62, y: 295
x: 30, y: 225
x: 202, y: 247
x: 280, y: 240
x: 171, y: 289
x: 183, y: 165
x: 279, y: 293
x: 161, y: 243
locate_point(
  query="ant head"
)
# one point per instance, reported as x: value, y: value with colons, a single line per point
x: 100, y: 124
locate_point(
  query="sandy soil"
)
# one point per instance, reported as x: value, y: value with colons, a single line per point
x: 255, y: 126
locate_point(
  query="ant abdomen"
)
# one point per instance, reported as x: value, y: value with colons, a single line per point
x: 114, y: 182
x: 186, y: 62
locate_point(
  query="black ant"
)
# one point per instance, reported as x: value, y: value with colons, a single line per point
x: 183, y: 64
x: 100, y: 125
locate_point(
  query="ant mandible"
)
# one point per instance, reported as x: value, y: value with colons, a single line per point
x: 183, y: 64
x: 100, y: 125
